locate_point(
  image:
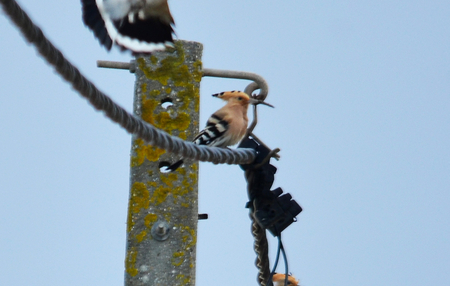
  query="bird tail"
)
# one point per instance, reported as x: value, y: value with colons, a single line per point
x: 175, y: 166
x: 93, y: 19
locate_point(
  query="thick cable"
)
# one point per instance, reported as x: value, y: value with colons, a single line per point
x: 100, y: 101
x: 261, y: 248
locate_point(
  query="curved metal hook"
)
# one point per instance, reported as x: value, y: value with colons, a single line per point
x: 251, y: 88
x: 259, y: 81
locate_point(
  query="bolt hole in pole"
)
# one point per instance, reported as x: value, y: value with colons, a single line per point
x: 163, y: 167
x: 166, y: 103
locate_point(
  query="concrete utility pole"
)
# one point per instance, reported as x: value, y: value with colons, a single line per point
x: 163, y: 207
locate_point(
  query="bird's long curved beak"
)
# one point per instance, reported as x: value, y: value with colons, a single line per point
x: 257, y: 101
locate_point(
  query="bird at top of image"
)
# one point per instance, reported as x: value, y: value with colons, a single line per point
x: 141, y: 26
x: 228, y: 125
x: 279, y: 280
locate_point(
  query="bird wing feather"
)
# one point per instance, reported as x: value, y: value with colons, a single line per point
x: 213, y: 134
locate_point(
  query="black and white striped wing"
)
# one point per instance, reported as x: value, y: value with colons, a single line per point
x: 93, y: 19
x: 139, y: 30
x: 213, y: 134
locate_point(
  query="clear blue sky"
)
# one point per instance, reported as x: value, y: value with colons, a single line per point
x: 362, y: 96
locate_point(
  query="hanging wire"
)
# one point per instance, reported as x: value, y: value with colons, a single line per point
x: 100, y: 101
x: 276, y: 261
x: 286, y: 267
x: 280, y: 249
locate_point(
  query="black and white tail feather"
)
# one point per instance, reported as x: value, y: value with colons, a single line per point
x: 212, y: 135
x: 136, y: 25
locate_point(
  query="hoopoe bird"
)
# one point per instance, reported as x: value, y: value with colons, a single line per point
x: 226, y: 126
x: 142, y: 26
x: 279, y: 279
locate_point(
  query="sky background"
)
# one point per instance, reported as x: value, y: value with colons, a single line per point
x: 362, y: 96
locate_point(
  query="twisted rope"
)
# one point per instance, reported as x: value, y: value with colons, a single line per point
x: 261, y: 248
x: 100, y: 101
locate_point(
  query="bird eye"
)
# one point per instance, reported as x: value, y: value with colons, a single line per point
x: 239, y: 98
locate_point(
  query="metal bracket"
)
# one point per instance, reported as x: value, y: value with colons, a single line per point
x: 258, y: 82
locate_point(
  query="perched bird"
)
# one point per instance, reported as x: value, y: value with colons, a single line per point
x: 142, y: 26
x: 226, y: 126
x: 278, y: 280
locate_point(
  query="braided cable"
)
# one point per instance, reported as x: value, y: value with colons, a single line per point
x: 261, y: 248
x: 100, y: 101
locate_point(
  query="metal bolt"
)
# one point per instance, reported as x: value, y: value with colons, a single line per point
x: 161, y: 229
x: 202, y: 216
